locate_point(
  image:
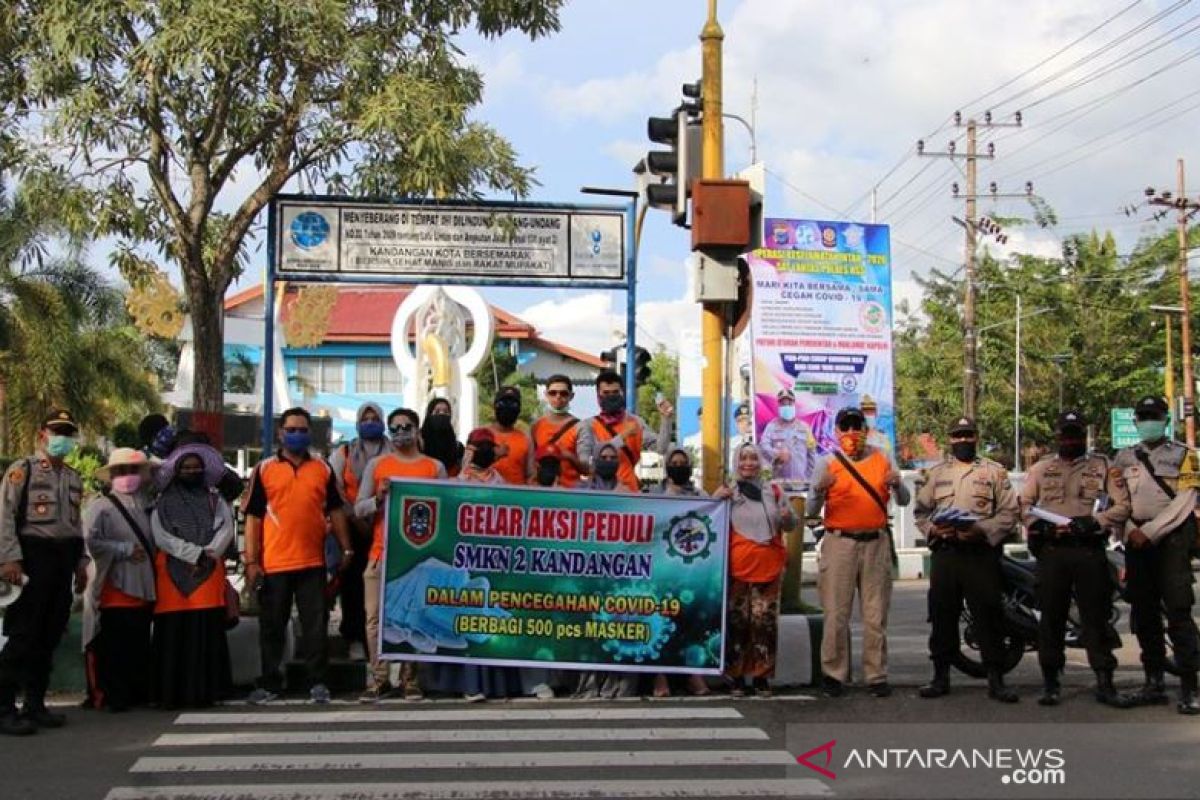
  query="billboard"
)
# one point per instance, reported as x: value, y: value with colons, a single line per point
x: 821, y: 329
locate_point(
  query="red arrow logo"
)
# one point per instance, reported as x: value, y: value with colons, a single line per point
x: 827, y: 749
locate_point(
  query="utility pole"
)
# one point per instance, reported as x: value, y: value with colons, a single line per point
x: 972, y: 157
x: 1186, y: 209
x: 712, y: 327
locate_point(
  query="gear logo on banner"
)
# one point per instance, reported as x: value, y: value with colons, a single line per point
x: 689, y: 537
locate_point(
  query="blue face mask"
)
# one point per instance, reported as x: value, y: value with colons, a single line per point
x: 297, y: 442
x: 60, y: 446
x: 787, y: 413
x: 371, y: 430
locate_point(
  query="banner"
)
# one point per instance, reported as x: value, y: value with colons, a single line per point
x: 821, y: 329
x: 576, y: 579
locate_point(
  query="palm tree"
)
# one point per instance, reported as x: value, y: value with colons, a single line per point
x: 65, y: 337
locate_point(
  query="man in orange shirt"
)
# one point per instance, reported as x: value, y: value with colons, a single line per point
x: 405, y: 461
x: 291, y: 494
x: 856, y: 553
x: 559, y: 428
x: 514, y: 448
x: 627, y: 432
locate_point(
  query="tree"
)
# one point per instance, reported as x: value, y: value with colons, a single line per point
x: 664, y: 380
x: 499, y: 368
x: 162, y: 105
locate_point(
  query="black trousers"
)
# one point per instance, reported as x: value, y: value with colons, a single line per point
x: 306, y: 588
x: 1160, y: 580
x: 353, y: 626
x: 118, y: 659
x: 970, y: 573
x: 1081, y: 569
x: 35, y: 623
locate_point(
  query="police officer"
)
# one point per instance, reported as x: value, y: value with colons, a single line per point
x: 787, y: 444
x: 966, y: 554
x: 41, y: 546
x: 1162, y: 476
x: 1090, y: 494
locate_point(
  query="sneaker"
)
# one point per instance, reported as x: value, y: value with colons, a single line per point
x: 832, y: 687
x: 374, y: 694
x: 543, y: 692
x: 880, y: 689
x: 477, y: 697
x: 357, y: 652
x: 319, y: 694
x: 261, y: 696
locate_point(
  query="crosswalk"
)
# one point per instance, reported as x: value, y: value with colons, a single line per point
x: 433, y: 751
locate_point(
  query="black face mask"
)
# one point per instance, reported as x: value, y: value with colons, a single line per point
x: 750, y: 490
x: 612, y: 403
x: 606, y: 469
x: 547, y: 473
x: 1071, y: 450
x: 680, y: 474
x: 507, y: 412
x: 964, y: 451
x: 485, y: 455
x: 191, y: 480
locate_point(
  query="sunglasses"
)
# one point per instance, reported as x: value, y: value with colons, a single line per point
x: 851, y: 425
x: 403, y: 427
x: 557, y: 393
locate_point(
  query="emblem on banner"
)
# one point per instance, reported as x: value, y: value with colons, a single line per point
x: 690, y: 537
x: 419, y: 520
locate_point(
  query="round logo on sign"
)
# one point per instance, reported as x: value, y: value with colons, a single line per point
x: 309, y: 230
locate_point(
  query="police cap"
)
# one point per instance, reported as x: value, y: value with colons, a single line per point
x: 1071, y: 420
x: 963, y: 425
x: 60, y: 420
x: 1150, y: 407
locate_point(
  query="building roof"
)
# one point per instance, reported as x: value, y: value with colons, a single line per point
x: 365, y: 314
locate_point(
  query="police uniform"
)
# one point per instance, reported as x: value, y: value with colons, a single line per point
x: 966, y: 565
x: 1090, y: 491
x: 793, y: 436
x: 40, y: 527
x: 1160, y: 573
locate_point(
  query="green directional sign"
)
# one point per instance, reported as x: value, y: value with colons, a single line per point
x: 1124, y: 432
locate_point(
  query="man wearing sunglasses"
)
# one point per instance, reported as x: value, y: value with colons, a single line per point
x: 404, y: 461
x: 852, y: 486
x: 558, y: 428
x: 291, y: 495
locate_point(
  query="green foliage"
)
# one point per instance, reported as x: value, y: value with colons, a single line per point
x: 498, y: 369
x: 664, y: 379
x: 85, y: 461
x: 162, y: 106
x: 1091, y: 307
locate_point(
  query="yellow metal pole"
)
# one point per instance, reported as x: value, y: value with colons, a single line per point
x: 712, y: 330
x: 1170, y: 376
x: 1185, y: 322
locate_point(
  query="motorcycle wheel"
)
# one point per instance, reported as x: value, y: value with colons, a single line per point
x: 968, y: 660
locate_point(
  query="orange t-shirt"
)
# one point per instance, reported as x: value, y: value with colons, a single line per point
x: 631, y: 432
x: 848, y: 507
x: 514, y: 466
x: 752, y: 562
x: 112, y: 597
x: 544, y: 429
x: 392, y: 466
x: 210, y: 594
x: 293, y: 502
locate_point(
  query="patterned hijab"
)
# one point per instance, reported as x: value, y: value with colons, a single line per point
x: 190, y: 513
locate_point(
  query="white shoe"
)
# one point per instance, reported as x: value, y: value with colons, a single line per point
x: 543, y: 692
x: 477, y: 697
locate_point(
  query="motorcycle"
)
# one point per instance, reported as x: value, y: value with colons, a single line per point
x: 1022, y: 612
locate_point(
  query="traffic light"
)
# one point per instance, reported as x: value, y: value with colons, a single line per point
x: 677, y: 166
x: 614, y: 359
x: 641, y: 363
x: 613, y: 356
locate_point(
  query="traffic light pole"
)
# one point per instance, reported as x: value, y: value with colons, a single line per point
x: 633, y: 234
x: 712, y: 330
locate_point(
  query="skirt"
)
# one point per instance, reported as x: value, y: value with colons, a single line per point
x: 117, y: 661
x: 191, y: 659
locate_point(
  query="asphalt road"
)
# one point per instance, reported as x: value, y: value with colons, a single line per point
x: 638, y: 748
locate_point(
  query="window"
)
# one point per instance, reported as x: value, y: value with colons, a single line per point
x: 319, y: 374
x: 377, y: 376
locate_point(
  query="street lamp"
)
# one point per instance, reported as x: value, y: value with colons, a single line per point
x: 1017, y: 465
x: 1059, y: 359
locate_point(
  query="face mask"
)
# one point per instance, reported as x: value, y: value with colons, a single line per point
x: 787, y: 413
x: 850, y: 442
x: 60, y: 446
x: 371, y: 430
x: 126, y: 484
x: 750, y: 490
x: 680, y: 475
x: 1072, y: 450
x: 547, y: 473
x: 192, y: 480
x: 485, y: 455
x: 612, y: 403
x: 297, y: 442
x: 1151, y: 430
x: 507, y: 413
x: 606, y: 469
x: 404, y: 438
x: 963, y: 451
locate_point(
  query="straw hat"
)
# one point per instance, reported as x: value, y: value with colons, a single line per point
x: 123, y: 457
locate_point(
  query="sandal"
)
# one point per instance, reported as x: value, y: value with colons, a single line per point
x: 661, y: 687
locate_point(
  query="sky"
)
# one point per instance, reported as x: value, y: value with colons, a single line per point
x: 839, y: 94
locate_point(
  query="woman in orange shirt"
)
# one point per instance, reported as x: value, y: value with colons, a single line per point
x: 757, y: 556
x: 514, y: 447
x: 192, y: 528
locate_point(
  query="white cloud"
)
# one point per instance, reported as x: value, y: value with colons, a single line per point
x: 594, y: 321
